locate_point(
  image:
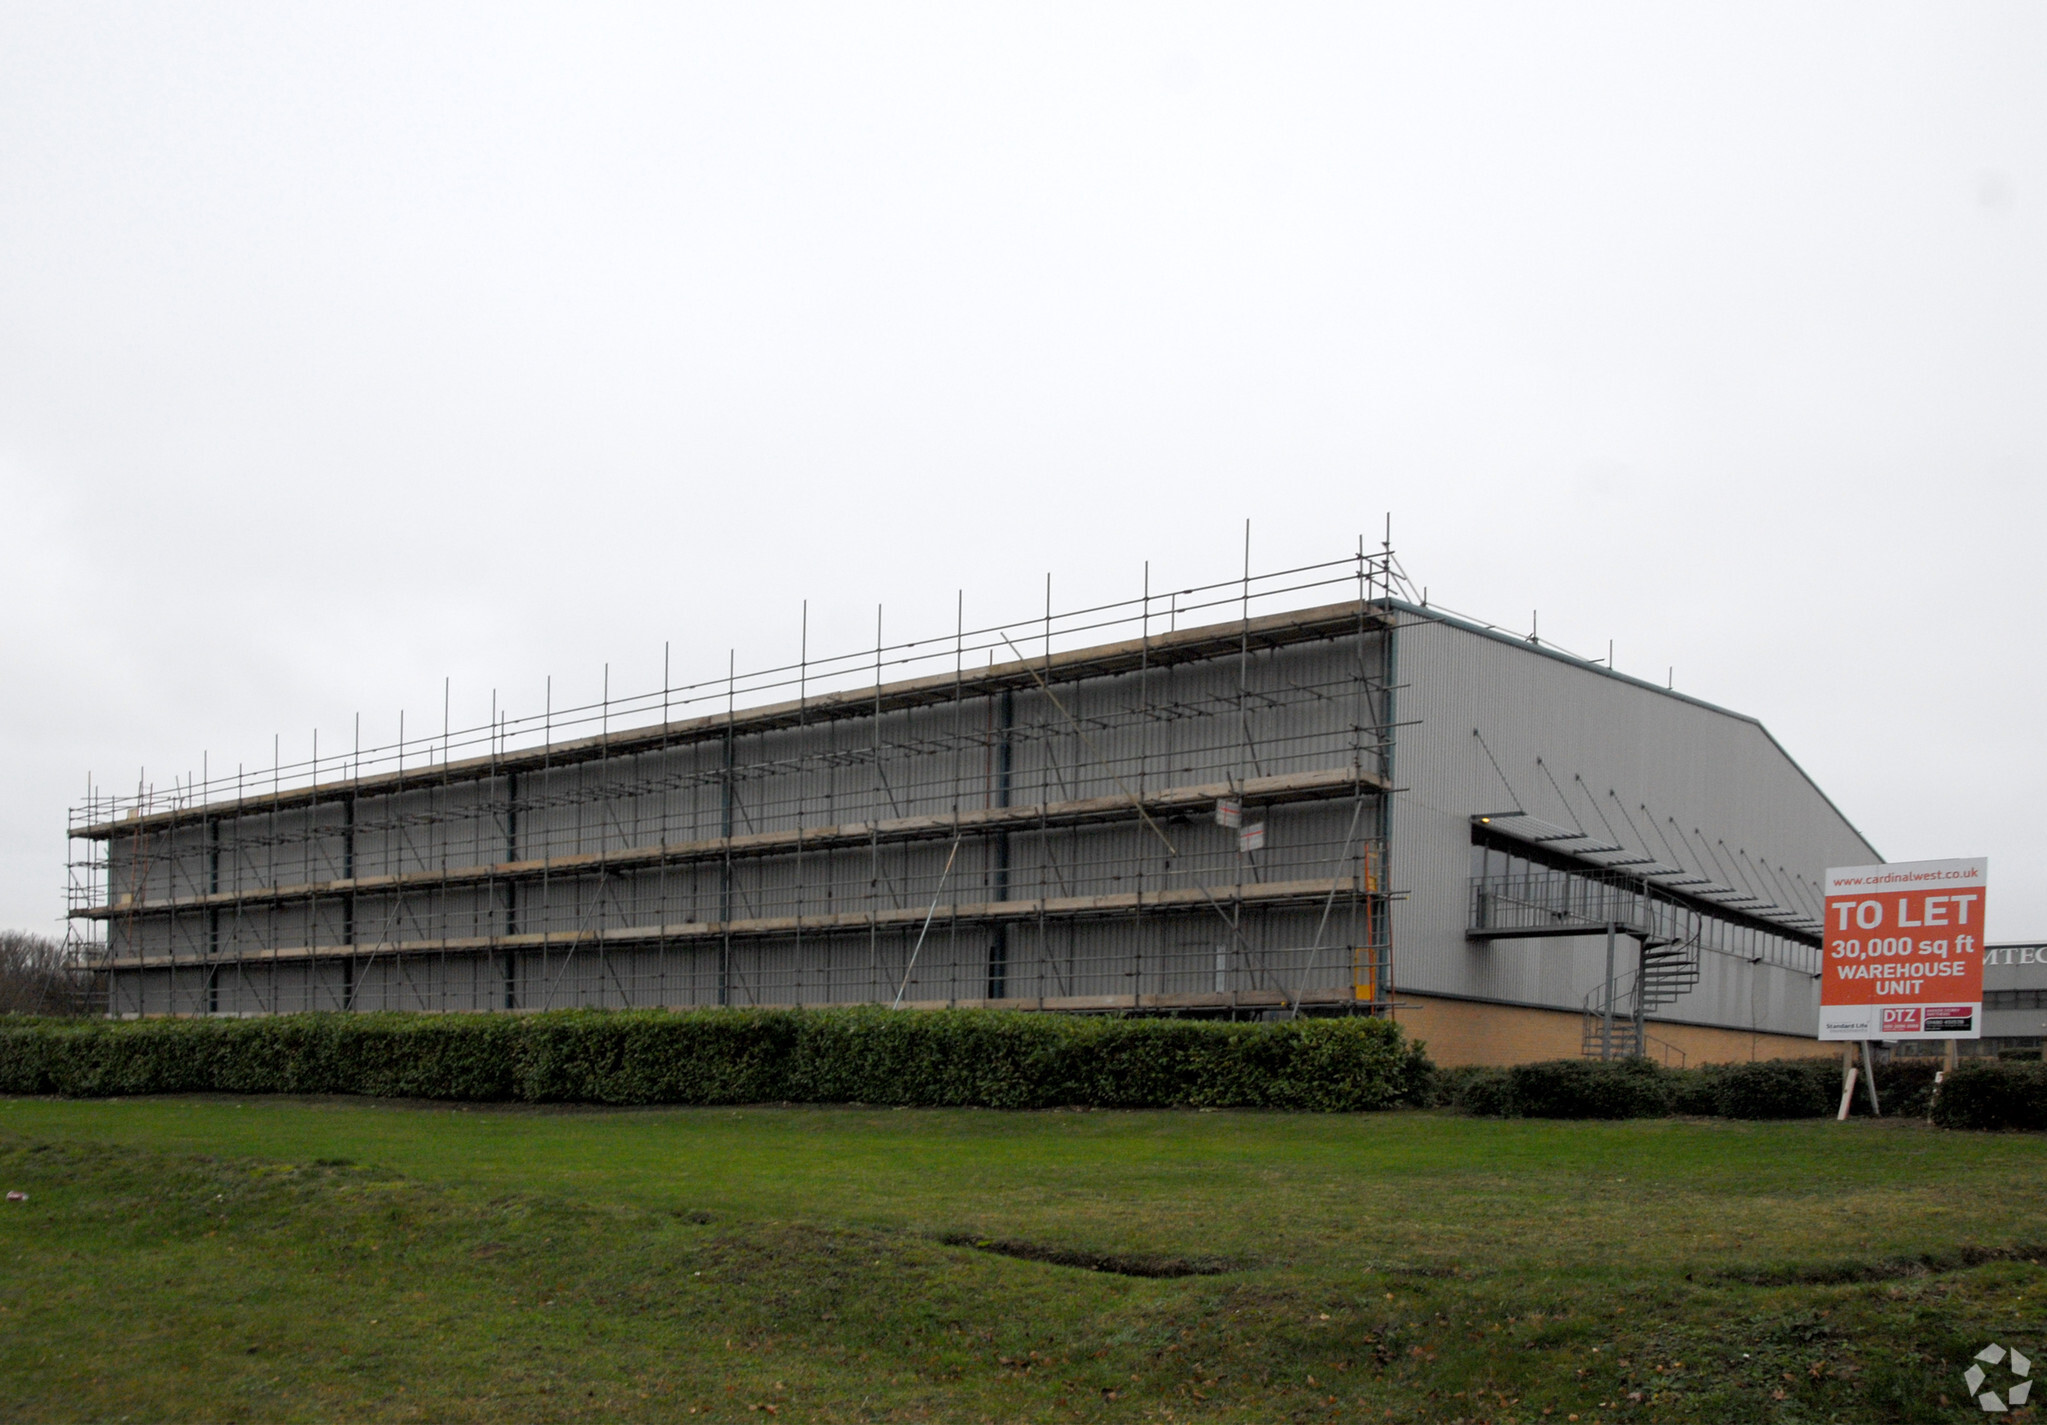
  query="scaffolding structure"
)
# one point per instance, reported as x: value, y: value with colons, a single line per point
x: 1178, y: 803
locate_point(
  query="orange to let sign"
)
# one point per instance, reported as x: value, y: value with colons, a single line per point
x: 1903, y: 954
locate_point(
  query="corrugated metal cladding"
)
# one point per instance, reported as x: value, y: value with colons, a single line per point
x: 1490, y: 724
x: 985, y: 846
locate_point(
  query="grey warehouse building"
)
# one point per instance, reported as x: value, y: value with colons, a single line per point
x: 1301, y: 793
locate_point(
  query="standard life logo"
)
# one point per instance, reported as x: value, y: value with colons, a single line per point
x: 2017, y: 1367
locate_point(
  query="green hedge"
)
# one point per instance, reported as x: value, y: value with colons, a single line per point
x: 988, y: 1058
x: 1904, y: 1085
x: 1589, y: 1088
x: 1993, y: 1094
x: 1479, y: 1090
x: 1777, y: 1088
x: 1639, y: 1088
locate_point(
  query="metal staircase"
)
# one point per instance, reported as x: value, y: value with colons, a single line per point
x: 1667, y: 970
x: 1542, y: 902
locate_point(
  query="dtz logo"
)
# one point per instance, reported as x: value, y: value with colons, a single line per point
x: 1901, y: 1021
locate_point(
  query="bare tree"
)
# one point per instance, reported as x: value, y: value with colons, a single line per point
x: 38, y: 976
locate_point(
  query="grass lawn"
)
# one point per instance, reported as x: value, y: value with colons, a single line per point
x: 339, y: 1259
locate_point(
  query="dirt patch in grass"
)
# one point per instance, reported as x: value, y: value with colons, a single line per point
x: 1844, y: 1273
x: 1123, y: 1264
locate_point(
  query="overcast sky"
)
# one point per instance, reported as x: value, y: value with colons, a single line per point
x: 347, y: 348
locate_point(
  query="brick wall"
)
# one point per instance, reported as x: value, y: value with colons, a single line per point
x: 1472, y: 1032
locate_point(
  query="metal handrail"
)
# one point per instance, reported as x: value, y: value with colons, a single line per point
x: 1591, y: 901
